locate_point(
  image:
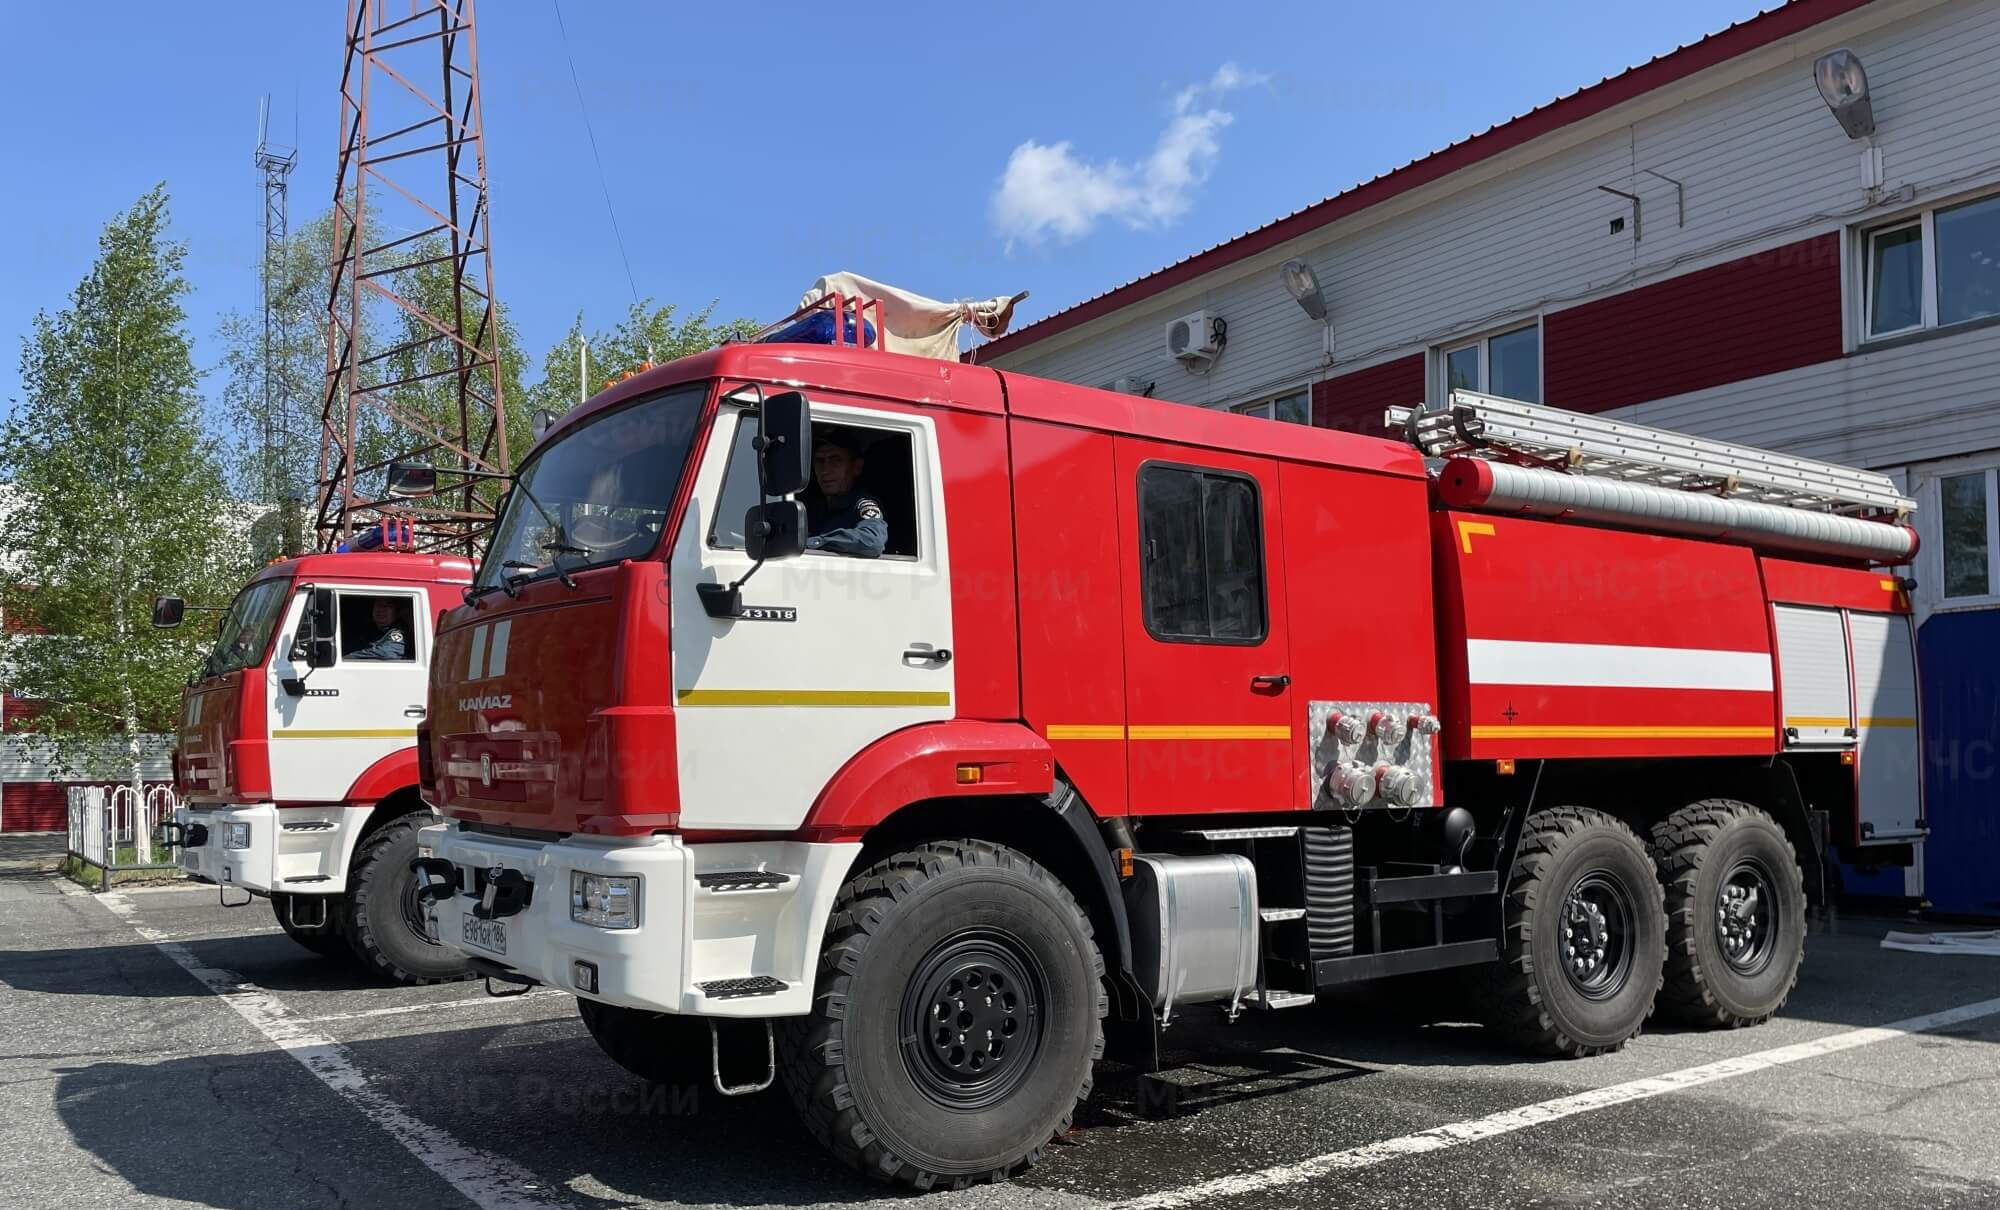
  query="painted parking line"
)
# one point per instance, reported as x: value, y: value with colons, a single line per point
x: 1507, y: 1121
x: 488, y: 1181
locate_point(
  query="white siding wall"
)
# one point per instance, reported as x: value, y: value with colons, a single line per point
x: 1763, y: 163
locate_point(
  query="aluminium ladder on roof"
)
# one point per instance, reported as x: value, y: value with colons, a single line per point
x: 1477, y: 425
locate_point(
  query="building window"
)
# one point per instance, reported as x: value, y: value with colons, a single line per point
x: 1969, y: 526
x: 1932, y: 271
x: 1292, y: 407
x: 1201, y: 543
x: 1508, y: 364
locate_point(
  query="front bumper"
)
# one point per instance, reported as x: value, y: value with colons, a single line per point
x: 297, y: 850
x: 697, y: 945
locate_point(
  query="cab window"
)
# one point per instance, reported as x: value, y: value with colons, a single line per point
x: 888, y: 477
x: 377, y: 627
x: 1201, y: 556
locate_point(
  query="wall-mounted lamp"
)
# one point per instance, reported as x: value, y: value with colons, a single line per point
x: 1843, y: 85
x: 1303, y: 285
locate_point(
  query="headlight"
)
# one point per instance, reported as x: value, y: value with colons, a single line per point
x: 236, y: 836
x: 604, y: 901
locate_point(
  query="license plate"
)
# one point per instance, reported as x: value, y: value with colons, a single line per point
x: 488, y: 935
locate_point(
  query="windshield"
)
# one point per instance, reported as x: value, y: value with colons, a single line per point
x: 603, y: 490
x: 246, y: 629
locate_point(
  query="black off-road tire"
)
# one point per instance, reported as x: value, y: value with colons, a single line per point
x: 661, y: 1048
x: 1538, y: 1001
x: 377, y: 908
x: 1701, y: 850
x: 903, y: 933
x: 325, y: 940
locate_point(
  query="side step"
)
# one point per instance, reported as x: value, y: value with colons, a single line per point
x: 1273, y: 998
x: 742, y: 880
x: 742, y: 989
x: 1278, y: 915
x: 1271, y: 833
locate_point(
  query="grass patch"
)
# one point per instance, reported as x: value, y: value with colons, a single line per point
x: 88, y: 874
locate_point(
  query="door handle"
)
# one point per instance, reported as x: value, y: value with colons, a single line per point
x: 1270, y: 682
x: 929, y: 655
x: 414, y: 712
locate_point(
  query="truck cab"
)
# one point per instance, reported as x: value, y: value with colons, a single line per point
x: 296, y: 759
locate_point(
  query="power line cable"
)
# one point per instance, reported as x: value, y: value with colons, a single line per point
x: 604, y: 187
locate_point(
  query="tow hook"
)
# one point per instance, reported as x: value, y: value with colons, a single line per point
x: 507, y: 892
x: 437, y: 879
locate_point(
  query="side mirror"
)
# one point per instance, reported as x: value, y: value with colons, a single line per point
x: 320, y: 628
x: 539, y: 423
x: 410, y: 478
x: 168, y: 612
x: 775, y: 531
x: 784, y: 444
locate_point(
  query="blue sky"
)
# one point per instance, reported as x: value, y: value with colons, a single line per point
x: 959, y: 152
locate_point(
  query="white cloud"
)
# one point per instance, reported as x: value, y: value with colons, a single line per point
x: 1048, y: 190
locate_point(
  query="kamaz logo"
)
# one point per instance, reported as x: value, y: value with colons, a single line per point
x: 492, y: 701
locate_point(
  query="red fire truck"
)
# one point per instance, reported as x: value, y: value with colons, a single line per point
x: 1141, y: 707
x: 296, y: 756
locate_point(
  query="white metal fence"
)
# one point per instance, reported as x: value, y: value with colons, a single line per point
x: 104, y: 821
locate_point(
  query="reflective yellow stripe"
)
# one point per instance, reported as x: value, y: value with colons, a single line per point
x: 351, y: 733
x: 1815, y: 720
x: 810, y: 697
x: 1468, y: 528
x: 1554, y: 732
x: 1888, y: 721
x: 1165, y: 731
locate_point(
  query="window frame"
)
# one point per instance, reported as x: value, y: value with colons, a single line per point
x: 1482, y: 343
x: 1925, y: 220
x: 745, y: 422
x: 1263, y: 554
x: 1270, y: 400
x: 418, y: 657
x: 1935, y: 506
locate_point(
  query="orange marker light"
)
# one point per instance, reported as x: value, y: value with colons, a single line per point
x: 1124, y: 863
x: 1847, y: 757
x: 1504, y: 766
x: 969, y: 775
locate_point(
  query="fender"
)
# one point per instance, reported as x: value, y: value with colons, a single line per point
x: 383, y: 778
x: 923, y: 762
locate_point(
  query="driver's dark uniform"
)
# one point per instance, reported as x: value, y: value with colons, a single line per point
x: 851, y: 525
x: 389, y: 645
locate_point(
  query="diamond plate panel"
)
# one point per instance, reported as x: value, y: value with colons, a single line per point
x: 1417, y: 751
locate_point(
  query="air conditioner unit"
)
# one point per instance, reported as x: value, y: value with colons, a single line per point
x: 1194, y: 336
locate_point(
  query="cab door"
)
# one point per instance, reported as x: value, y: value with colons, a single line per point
x: 832, y: 652
x: 1209, y: 710
x: 356, y: 711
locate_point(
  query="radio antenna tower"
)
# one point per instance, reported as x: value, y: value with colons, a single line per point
x: 276, y: 163
x: 412, y: 358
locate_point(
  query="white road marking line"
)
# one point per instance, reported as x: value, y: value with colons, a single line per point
x: 488, y: 1181
x: 1509, y: 1120
x: 401, y: 1009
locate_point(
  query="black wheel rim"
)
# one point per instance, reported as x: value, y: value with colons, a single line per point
x: 414, y: 916
x: 972, y: 1019
x: 1746, y: 916
x: 1594, y: 945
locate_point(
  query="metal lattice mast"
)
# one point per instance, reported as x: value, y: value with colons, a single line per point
x: 276, y: 164
x: 413, y: 367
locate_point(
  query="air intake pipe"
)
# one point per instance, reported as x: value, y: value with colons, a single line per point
x: 1500, y: 487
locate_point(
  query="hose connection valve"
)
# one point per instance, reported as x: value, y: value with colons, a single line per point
x: 1350, y: 783
x: 1400, y: 785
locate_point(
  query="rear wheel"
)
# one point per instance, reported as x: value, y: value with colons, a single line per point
x: 1736, y: 913
x: 323, y: 939
x: 957, y: 1018
x: 385, y: 921
x: 1585, y: 941
x: 659, y: 1047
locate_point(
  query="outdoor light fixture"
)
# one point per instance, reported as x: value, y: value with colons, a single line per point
x: 1303, y: 285
x: 1843, y: 85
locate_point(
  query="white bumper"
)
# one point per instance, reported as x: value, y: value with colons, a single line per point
x: 689, y: 935
x: 299, y: 850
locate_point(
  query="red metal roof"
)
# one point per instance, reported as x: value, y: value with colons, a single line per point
x: 399, y: 566
x: 1720, y: 47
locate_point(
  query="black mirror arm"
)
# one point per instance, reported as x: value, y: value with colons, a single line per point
x: 725, y: 600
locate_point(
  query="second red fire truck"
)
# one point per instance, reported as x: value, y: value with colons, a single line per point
x: 1142, y: 707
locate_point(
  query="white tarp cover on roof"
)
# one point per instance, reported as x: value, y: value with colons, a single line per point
x: 924, y: 327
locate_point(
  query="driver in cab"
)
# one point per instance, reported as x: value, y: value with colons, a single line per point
x: 391, y: 642
x: 841, y: 519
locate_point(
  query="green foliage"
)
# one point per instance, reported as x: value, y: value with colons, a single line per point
x: 646, y: 333
x: 117, y: 494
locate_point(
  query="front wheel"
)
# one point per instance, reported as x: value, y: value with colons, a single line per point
x: 958, y: 1016
x: 1736, y: 913
x: 385, y: 920
x: 1586, y: 935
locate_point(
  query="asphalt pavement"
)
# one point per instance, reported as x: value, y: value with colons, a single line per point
x: 157, y: 1049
